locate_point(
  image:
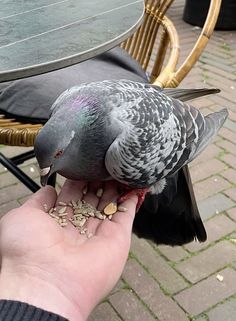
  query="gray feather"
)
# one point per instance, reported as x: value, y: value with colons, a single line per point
x: 189, y: 94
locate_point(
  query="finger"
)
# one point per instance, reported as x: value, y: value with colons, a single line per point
x: 91, y: 194
x: 71, y: 190
x: 125, y: 219
x: 110, y: 194
x: 92, y: 225
x: 43, y: 199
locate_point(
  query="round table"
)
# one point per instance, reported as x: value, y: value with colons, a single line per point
x: 45, y: 35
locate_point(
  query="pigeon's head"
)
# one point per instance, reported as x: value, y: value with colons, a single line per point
x: 53, y: 147
x: 59, y: 142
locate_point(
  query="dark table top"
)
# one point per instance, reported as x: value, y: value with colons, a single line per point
x: 45, y: 35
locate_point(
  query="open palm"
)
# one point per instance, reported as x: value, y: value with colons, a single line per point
x: 84, y: 270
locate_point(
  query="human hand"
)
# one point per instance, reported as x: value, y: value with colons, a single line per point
x: 58, y: 269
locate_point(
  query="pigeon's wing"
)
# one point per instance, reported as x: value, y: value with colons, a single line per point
x: 172, y: 217
x: 159, y: 136
x: 189, y: 94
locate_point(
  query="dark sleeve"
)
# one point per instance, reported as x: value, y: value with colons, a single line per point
x: 19, y: 311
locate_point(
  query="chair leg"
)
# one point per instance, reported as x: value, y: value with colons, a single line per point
x: 19, y: 159
x: 27, y: 181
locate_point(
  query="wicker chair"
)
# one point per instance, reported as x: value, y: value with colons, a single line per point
x: 161, y: 63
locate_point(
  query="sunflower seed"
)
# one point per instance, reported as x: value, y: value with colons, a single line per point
x: 62, y: 204
x: 85, y: 190
x: 73, y: 203
x: 62, y: 215
x: 99, y: 192
x: 51, y: 211
x: 89, y: 235
x: 111, y: 208
x: 99, y: 215
x: 122, y: 208
x: 54, y: 216
x: 62, y: 210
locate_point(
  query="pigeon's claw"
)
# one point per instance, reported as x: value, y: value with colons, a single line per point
x: 140, y: 192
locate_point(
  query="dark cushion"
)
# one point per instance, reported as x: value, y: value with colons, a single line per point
x: 30, y: 99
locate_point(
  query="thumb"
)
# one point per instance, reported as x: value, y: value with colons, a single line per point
x: 43, y: 199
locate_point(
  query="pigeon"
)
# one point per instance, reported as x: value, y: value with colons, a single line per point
x: 134, y: 133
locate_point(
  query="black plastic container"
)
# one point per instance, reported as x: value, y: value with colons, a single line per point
x: 195, y: 12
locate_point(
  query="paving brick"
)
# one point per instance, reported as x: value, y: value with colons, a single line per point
x: 231, y: 192
x: 228, y: 134
x: 224, y: 312
x: 210, y: 186
x: 232, y: 115
x: 231, y: 125
x: 11, y: 151
x: 13, y: 192
x: 230, y: 159
x: 210, y: 152
x: 227, y: 145
x: 169, y: 279
x: 230, y: 175
x: 208, y: 292
x: 200, y: 319
x: 6, y: 207
x: 7, y: 179
x: 164, y: 308
x: 207, y: 262
x: 232, y: 213
x: 204, y: 170
x: 129, y: 307
x: 104, y: 312
x: 213, y: 205
x: 217, y: 227
x: 175, y: 253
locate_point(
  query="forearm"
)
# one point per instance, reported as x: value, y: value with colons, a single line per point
x: 36, y: 293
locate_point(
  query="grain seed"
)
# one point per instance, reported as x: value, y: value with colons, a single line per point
x: 99, y: 192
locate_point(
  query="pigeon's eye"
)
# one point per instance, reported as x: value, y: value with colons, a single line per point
x: 58, y: 153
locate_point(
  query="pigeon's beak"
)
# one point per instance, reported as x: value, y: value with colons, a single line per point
x: 44, y: 175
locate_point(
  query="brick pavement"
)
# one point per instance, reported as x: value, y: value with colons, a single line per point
x: 178, y: 284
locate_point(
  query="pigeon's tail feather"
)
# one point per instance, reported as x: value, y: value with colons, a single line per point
x: 189, y: 94
x: 213, y: 123
x: 172, y: 217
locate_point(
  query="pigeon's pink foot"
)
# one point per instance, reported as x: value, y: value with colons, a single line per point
x: 140, y: 192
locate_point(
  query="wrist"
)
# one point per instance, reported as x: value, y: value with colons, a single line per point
x: 37, y: 291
